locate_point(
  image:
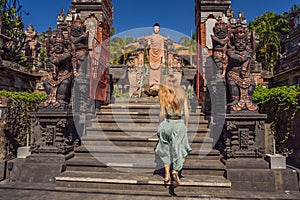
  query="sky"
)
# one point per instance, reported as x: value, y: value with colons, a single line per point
x: 177, y: 15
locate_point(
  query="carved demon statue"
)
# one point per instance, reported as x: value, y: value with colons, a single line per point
x: 239, y: 78
x: 59, y: 80
x: 232, y: 55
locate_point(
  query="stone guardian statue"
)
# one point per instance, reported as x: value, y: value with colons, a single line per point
x: 240, y: 81
x: 58, y: 82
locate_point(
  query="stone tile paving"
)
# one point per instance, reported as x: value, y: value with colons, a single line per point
x: 28, y: 191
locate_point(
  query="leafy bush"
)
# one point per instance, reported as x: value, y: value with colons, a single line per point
x: 16, y: 123
x: 281, y: 105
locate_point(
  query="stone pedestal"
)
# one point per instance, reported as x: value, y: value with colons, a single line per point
x: 244, y: 135
x: 39, y: 168
x: 253, y: 174
x: 53, y: 139
x: 276, y: 161
x: 23, y: 152
x: 244, y: 151
x: 53, y: 131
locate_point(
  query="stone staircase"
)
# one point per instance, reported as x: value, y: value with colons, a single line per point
x: 117, y: 154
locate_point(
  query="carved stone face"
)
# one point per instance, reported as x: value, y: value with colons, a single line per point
x: 240, y: 44
x: 156, y: 29
x: 76, y: 31
x: 221, y: 32
x: 59, y: 48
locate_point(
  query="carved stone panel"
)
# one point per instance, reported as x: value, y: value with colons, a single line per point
x: 244, y: 135
x: 53, y: 132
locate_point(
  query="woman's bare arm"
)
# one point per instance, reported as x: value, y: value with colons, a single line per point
x: 162, y: 113
x: 186, y: 111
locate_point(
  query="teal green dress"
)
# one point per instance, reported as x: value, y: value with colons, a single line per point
x: 173, y: 145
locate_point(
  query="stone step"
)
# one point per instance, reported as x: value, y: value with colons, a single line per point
x: 140, y: 130
x: 137, y: 144
x: 144, y: 127
x: 137, y: 111
x: 196, y: 156
x: 92, y: 134
x: 141, y: 163
x: 142, y: 100
x: 117, y: 152
x: 113, y: 169
x: 86, y: 150
x: 145, y: 136
x: 143, y: 103
x: 165, y: 193
x: 196, y: 143
x: 114, y: 149
x: 141, y: 182
x: 96, y: 131
x: 153, y: 120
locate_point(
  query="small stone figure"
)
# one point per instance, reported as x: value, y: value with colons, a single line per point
x: 131, y: 70
x: 58, y: 82
x: 239, y: 79
x: 220, y: 44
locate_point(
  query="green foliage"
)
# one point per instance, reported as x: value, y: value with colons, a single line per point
x: 43, y: 57
x: 189, y: 44
x: 13, y: 29
x: 118, y: 92
x: 120, y: 49
x: 269, y: 27
x: 281, y: 105
x: 285, y: 97
x: 16, y: 119
x: 23, y: 96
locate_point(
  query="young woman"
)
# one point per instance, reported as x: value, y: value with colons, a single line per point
x: 173, y: 145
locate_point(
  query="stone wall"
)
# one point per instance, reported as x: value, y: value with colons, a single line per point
x: 294, y: 141
x: 290, y: 146
x: 17, y: 78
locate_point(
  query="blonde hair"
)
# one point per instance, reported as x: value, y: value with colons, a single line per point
x: 171, y: 95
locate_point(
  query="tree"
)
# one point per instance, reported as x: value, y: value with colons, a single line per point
x: 13, y: 29
x: 269, y: 27
x: 120, y: 49
x: 189, y: 44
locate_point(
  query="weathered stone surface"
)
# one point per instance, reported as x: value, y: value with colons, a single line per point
x: 276, y: 161
x: 39, y: 168
x: 2, y: 170
x: 23, y: 152
x: 249, y: 174
x: 244, y: 134
x: 265, y: 180
x: 53, y: 132
x: 16, y: 78
x: 287, y: 180
x: 246, y: 163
